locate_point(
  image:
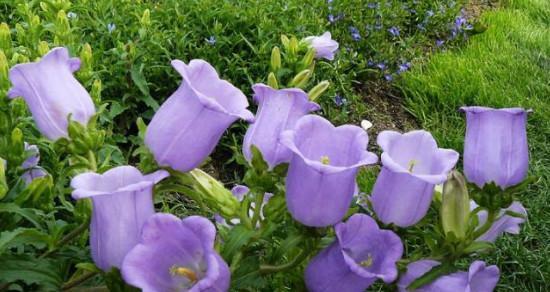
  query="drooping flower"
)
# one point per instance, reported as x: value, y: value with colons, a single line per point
x: 278, y: 110
x: 412, y: 166
x: 187, y: 127
x: 361, y: 254
x: 176, y: 255
x: 324, y: 45
x: 52, y: 93
x: 479, y: 278
x: 122, y: 201
x: 30, y: 165
x: 320, y: 183
x: 495, y: 147
x: 504, y: 223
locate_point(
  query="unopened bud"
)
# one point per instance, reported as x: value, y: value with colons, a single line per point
x: 455, y: 208
x: 272, y: 81
x: 62, y: 23
x: 316, y: 91
x: 17, y: 144
x: 43, y: 48
x: 215, y: 194
x: 3, y: 184
x: 285, y: 41
x: 5, y: 37
x: 146, y: 18
x: 275, y: 59
x: 4, y: 69
x: 301, y: 79
x: 308, y: 58
x: 96, y: 91
x: 293, y: 46
x: 20, y: 34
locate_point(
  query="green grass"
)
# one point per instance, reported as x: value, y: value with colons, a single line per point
x: 507, y: 66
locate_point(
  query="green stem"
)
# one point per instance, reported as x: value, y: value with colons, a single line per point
x: 67, y: 238
x: 257, y: 208
x: 491, y: 216
x: 75, y: 282
x: 268, y: 269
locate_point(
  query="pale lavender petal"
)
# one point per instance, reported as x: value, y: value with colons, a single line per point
x: 325, y: 47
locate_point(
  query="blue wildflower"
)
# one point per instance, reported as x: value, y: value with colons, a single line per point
x: 354, y: 33
x: 111, y: 27
x: 439, y: 43
x: 373, y: 5
x: 404, y: 67
x: 388, y: 77
x: 430, y: 13
x: 71, y: 15
x: 381, y: 66
x: 370, y: 63
x: 331, y: 18
x: 211, y: 40
x: 339, y: 100
x: 394, y: 31
x: 421, y: 27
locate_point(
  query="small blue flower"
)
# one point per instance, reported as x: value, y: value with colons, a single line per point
x: 331, y: 18
x: 430, y: 13
x: 211, y: 40
x: 412, y: 11
x: 339, y: 100
x: 354, y: 33
x: 381, y: 66
x: 111, y: 27
x: 370, y: 63
x: 394, y: 31
x: 404, y: 67
x: 71, y: 15
x: 373, y: 5
x: 388, y: 77
x: 378, y: 26
x: 421, y: 27
x: 439, y: 43
x: 459, y: 22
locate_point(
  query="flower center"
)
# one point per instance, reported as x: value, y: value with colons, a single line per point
x: 184, y: 272
x: 368, y: 262
x: 412, y: 164
x: 325, y: 160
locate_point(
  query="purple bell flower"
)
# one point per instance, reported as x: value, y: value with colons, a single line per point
x: 320, y: 183
x: 479, y: 278
x: 504, y: 223
x: 176, y: 255
x: 361, y: 254
x: 122, y: 201
x: 324, y: 45
x: 495, y: 147
x: 240, y: 191
x: 30, y: 165
x: 187, y: 127
x: 52, y: 93
x: 412, y: 166
x: 278, y: 110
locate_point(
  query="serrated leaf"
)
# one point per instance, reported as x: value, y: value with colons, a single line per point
x: 27, y: 213
x: 30, y: 270
x: 22, y: 236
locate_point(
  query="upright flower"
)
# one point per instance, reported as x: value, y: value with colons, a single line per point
x: 479, y: 278
x: 187, y: 127
x: 52, y: 93
x: 361, y: 254
x: 324, y: 45
x: 495, y: 148
x: 122, y: 201
x: 412, y: 166
x: 504, y: 223
x: 321, y: 176
x: 176, y: 255
x: 278, y: 110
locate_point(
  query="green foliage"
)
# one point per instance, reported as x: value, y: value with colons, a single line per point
x: 506, y: 66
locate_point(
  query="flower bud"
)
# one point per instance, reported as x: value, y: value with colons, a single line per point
x: 308, y: 58
x: 43, y: 48
x: 86, y: 56
x: 96, y: 91
x: 215, y: 194
x: 20, y: 33
x: 301, y: 79
x: 4, y: 68
x: 318, y: 90
x: 285, y: 41
x: 146, y: 18
x: 17, y: 144
x: 275, y: 59
x: 293, y: 46
x: 3, y: 184
x: 272, y: 81
x: 455, y: 208
x: 5, y: 37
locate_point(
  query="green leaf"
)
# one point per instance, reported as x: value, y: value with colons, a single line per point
x: 479, y: 246
x: 31, y: 270
x: 258, y: 162
x: 139, y: 79
x: 515, y: 214
x: 23, y: 236
x: 236, y: 239
x: 30, y: 214
x: 430, y: 276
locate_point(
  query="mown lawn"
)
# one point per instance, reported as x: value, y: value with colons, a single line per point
x: 507, y: 66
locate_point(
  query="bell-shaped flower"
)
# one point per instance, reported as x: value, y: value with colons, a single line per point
x: 320, y: 183
x: 361, y: 254
x: 278, y: 110
x: 187, y: 127
x: 30, y: 165
x: 52, y: 93
x: 479, y: 278
x: 176, y: 255
x: 495, y: 147
x: 412, y: 166
x: 325, y: 47
x: 504, y: 223
x: 122, y: 201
